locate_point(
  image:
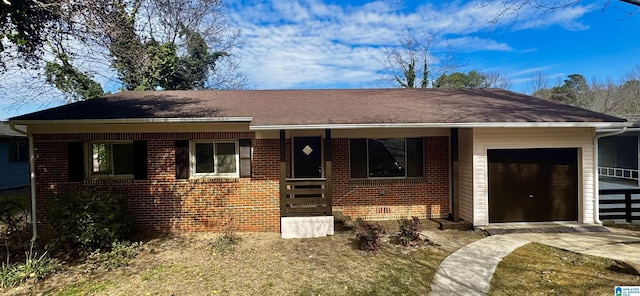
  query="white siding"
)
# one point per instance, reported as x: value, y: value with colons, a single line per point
x: 520, y: 138
x: 465, y: 173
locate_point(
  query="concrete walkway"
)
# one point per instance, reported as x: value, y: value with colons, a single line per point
x: 469, y: 270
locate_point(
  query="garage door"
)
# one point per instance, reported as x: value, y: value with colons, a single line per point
x: 533, y: 185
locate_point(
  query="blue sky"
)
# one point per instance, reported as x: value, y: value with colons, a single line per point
x: 340, y: 44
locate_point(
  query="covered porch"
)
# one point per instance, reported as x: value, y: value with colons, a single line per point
x: 306, y: 185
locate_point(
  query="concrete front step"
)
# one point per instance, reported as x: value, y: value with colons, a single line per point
x: 306, y: 227
x: 448, y: 224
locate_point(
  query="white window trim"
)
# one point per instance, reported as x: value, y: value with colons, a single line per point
x: 88, y: 150
x: 192, y: 160
x: 405, y: 177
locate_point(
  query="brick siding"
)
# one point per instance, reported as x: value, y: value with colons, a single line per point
x: 426, y: 197
x: 163, y: 203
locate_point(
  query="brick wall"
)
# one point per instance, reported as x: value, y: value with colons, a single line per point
x: 162, y: 203
x: 426, y: 197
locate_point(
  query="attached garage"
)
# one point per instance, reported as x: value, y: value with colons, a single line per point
x: 533, y: 185
x: 528, y: 174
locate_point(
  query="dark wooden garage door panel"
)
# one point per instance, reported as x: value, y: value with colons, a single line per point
x: 532, y: 185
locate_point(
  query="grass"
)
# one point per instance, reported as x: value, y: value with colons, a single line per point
x: 260, y: 264
x: 543, y: 270
x: 265, y: 264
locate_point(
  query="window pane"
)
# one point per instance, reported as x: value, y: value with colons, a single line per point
x: 415, y: 158
x: 225, y: 158
x: 122, y: 159
x: 101, y: 154
x: 358, y: 158
x: 23, y: 152
x: 204, y: 158
x: 13, y: 152
x: 386, y: 157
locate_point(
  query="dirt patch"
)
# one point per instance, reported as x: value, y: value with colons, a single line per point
x: 263, y: 264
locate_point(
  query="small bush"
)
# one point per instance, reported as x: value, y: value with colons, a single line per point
x: 409, y: 231
x: 225, y: 243
x: 86, y: 221
x: 15, y: 222
x: 35, y: 268
x: 369, y: 235
x: 228, y: 240
x: 121, y: 254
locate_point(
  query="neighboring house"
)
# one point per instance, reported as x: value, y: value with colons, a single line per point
x: 285, y: 160
x: 14, y: 158
x: 618, y: 155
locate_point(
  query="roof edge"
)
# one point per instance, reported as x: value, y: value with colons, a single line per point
x: 134, y: 120
x: 442, y: 125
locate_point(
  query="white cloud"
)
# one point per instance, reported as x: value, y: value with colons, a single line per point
x: 470, y: 44
x: 535, y: 70
x: 301, y: 43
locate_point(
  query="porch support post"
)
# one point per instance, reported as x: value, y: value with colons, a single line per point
x: 455, y: 184
x: 328, y: 175
x: 283, y: 174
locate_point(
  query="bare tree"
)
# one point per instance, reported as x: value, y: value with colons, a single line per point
x: 495, y: 79
x: 511, y: 8
x: 604, y: 97
x: 537, y: 84
x: 607, y: 96
x: 414, y: 63
x: 401, y: 61
x: 630, y: 91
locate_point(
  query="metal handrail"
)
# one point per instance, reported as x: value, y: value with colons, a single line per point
x: 620, y: 173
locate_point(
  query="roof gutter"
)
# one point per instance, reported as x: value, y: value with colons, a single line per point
x: 440, y: 125
x: 596, y: 186
x: 134, y: 120
x: 32, y: 180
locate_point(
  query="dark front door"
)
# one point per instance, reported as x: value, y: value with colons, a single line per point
x: 307, y: 157
x: 533, y: 185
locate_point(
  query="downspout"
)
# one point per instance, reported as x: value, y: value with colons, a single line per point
x: 596, y: 194
x: 32, y: 180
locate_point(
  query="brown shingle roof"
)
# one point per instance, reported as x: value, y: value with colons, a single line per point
x: 343, y: 106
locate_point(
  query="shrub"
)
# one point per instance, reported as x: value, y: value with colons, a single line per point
x: 35, y: 268
x: 409, y: 231
x: 227, y: 241
x: 87, y: 220
x: 16, y: 222
x: 369, y: 235
x: 121, y: 254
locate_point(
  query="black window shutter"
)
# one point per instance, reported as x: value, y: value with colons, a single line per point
x: 140, y: 160
x: 75, y: 161
x: 245, y: 157
x: 182, y: 159
x: 358, y: 158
